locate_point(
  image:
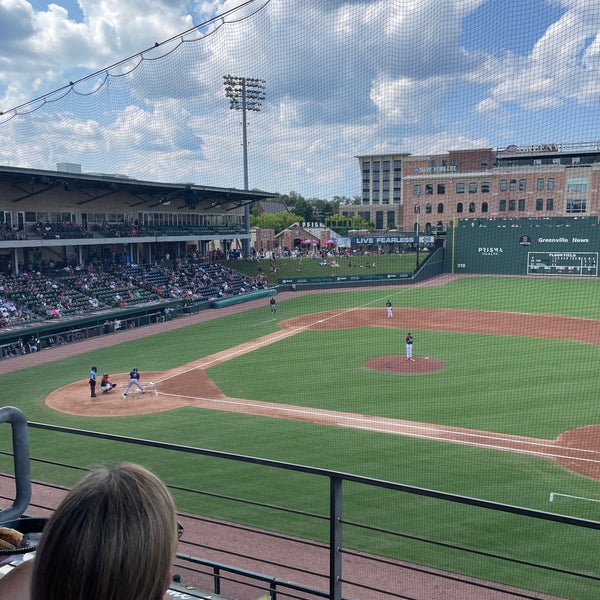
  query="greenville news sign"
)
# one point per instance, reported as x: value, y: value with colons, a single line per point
x: 525, y: 249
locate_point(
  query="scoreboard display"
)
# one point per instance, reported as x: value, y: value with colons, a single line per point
x: 562, y: 263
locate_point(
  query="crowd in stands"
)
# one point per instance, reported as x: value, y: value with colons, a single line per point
x: 57, y: 231
x: 9, y: 232
x: 133, y: 229
x: 53, y: 292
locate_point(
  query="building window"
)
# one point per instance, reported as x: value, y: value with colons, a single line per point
x: 459, y: 207
x: 386, y: 166
x: 539, y: 204
x: 550, y: 183
x: 366, y: 167
x: 485, y: 187
x: 576, y: 205
x: 460, y: 188
x: 429, y: 189
x: 473, y: 187
x: 376, y: 166
x: 539, y: 185
x: 440, y: 226
x: 391, y: 219
x: 428, y: 208
x: 550, y: 204
x: 522, y: 185
x: 503, y: 186
x: 484, y: 161
x: 484, y: 207
x: 440, y: 208
x: 417, y: 190
x: 513, y: 185
x: 512, y: 205
x: 385, y: 197
x: 441, y: 188
x: 521, y: 204
x: 471, y: 207
x: 577, y: 185
x: 397, y: 165
x: 365, y: 199
x: 502, y: 206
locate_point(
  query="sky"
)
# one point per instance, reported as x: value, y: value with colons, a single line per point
x: 343, y: 78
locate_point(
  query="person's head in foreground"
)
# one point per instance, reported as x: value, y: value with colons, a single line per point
x: 113, y: 537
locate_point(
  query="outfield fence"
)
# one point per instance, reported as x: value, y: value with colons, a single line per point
x: 287, y: 577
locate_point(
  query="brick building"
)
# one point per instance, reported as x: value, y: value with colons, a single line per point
x: 404, y: 191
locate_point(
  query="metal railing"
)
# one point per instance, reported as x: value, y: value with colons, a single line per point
x: 335, y: 578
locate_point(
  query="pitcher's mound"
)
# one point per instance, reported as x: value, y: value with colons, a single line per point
x: 400, y: 364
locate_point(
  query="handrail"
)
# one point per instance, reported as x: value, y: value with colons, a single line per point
x: 334, y: 546
x: 20, y: 443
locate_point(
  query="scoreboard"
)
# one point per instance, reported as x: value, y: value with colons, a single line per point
x: 562, y: 263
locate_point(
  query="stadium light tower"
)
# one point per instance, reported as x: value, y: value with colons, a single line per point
x: 245, y: 94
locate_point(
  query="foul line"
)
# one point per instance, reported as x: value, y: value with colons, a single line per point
x: 444, y: 435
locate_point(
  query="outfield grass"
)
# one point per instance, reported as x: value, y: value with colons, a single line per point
x: 292, y: 268
x: 522, y: 386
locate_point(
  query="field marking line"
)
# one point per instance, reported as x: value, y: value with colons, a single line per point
x: 554, y: 494
x: 478, y: 444
x: 256, y: 344
x: 399, y: 428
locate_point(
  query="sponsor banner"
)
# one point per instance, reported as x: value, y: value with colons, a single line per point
x: 392, y: 239
x: 334, y: 279
x: 525, y: 247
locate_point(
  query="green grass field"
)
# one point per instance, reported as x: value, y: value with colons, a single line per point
x: 516, y: 385
x: 290, y: 268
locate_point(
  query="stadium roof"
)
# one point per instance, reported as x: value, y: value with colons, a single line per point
x: 94, y: 187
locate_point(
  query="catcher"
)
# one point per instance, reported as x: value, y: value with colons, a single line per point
x: 106, y: 385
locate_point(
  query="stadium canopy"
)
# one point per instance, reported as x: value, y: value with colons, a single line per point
x: 146, y: 194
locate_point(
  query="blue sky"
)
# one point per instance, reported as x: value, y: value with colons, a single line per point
x: 344, y: 78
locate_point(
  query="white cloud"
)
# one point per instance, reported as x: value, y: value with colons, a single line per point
x: 344, y: 78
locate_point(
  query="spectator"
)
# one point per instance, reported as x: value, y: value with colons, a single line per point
x: 113, y: 537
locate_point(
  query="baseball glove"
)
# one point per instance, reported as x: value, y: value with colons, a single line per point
x: 114, y: 385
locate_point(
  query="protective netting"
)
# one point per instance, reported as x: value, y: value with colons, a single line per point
x: 343, y: 78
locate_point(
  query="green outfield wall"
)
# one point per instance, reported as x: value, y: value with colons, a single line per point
x: 561, y: 246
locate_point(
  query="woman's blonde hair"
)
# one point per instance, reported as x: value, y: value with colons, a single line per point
x: 113, y: 537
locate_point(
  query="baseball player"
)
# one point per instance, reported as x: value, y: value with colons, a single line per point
x: 388, y: 305
x: 134, y: 379
x: 106, y: 385
x: 409, y: 346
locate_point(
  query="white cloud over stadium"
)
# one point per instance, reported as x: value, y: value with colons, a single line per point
x: 344, y: 78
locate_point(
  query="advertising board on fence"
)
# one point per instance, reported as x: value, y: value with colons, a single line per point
x: 524, y: 247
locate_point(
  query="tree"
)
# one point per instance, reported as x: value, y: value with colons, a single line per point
x: 278, y: 222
